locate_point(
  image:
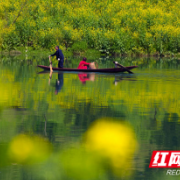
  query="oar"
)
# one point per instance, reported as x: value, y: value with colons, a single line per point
x: 123, y: 67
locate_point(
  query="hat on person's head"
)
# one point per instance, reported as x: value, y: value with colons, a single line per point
x: 84, y: 59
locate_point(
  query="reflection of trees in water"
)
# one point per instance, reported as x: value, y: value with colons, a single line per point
x: 87, y: 113
x: 84, y: 114
x: 167, y: 137
x: 60, y: 125
x: 157, y: 63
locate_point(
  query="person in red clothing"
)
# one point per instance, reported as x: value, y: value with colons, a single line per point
x: 83, y: 64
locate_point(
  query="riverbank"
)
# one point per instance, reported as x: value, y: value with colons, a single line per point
x: 89, y: 53
x: 45, y: 52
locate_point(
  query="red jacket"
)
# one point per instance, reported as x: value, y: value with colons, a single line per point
x: 83, y: 65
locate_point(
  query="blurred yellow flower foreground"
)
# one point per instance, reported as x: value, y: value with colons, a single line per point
x: 113, y: 140
x: 29, y: 149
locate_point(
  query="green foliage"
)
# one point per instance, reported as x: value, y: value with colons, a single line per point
x: 119, y: 26
x: 79, y: 46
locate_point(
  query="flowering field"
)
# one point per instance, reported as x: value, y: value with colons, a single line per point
x: 122, y: 26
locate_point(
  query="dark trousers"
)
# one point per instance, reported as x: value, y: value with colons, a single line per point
x: 60, y: 63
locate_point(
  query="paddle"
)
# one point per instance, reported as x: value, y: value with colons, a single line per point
x: 115, y: 62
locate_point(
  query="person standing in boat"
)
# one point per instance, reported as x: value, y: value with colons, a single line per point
x: 59, y: 56
x: 84, y: 65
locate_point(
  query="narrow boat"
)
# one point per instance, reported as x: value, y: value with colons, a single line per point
x: 106, y: 70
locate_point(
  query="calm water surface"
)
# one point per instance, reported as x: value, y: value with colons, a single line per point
x: 61, y: 109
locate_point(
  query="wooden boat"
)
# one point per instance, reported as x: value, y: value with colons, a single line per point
x: 105, y: 70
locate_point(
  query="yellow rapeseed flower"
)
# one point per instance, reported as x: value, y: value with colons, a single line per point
x: 27, y: 149
x: 114, y: 140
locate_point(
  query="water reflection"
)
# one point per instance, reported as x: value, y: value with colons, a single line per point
x: 83, y: 77
x: 121, y: 77
x: 59, y: 83
x: 149, y: 100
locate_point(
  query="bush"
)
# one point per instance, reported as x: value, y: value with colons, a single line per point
x: 79, y: 46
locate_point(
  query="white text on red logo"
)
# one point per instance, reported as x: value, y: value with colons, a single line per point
x: 165, y: 159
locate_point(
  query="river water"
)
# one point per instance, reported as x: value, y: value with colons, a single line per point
x: 47, y: 123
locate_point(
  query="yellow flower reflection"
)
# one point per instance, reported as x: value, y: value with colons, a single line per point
x: 113, y: 140
x: 28, y: 150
